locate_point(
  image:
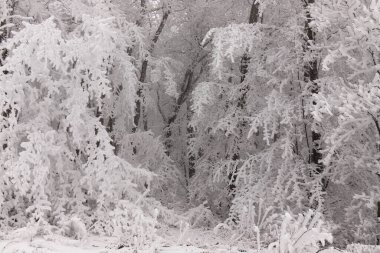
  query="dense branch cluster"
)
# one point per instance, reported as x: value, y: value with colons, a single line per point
x: 118, y: 116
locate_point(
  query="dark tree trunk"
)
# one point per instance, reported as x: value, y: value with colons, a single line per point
x: 139, y: 102
x: 187, y: 86
x: 3, y: 55
x: 5, y: 33
x: 140, y: 108
x: 253, y: 18
x: 186, y: 89
x: 378, y: 224
x: 311, y: 75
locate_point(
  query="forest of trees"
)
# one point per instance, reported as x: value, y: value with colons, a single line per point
x: 123, y: 116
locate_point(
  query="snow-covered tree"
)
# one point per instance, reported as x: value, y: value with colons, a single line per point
x: 348, y: 102
x: 57, y: 158
x: 116, y: 115
x: 255, y: 131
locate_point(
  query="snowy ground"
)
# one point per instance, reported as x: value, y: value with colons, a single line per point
x: 107, y: 245
x: 194, y: 241
x: 190, y: 241
x: 43, y: 246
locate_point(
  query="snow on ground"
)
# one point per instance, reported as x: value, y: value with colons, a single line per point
x: 43, y: 246
x: 190, y: 241
x: 108, y: 245
x: 173, y: 241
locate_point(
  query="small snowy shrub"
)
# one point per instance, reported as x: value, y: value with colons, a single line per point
x: 304, y: 234
x: 133, y: 227
x: 31, y: 231
x: 361, y: 217
x: 149, y: 153
x: 183, y: 229
x: 360, y: 248
x: 254, y: 223
x: 201, y: 216
x: 74, y: 228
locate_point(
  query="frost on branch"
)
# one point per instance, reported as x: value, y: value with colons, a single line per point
x: 231, y: 42
x: 149, y: 153
x: 304, y: 233
x: 252, y: 139
x: 57, y: 160
x: 348, y: 106
x: 164, y: 72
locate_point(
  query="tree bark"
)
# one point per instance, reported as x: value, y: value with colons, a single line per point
x: 244, y: 63
x: 5, y: 32
x: 311, y: 75
x: 253, y: 18
x: 4, y: 53
x: 140, y: 108
x: 378, y: 224
x: 187, y: 86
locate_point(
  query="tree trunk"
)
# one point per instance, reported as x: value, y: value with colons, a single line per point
x: 378, y: 224
x: 4, y: 53
x: 6, y: 31
x: 187, y: 84
x: 140, y: 108
x: 253, y: 18
x: 311, y: 75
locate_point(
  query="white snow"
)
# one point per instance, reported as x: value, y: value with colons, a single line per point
x: 96, y: 245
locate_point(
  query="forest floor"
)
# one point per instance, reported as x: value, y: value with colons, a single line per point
x: 40, y: 245
x: 174, y: 241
